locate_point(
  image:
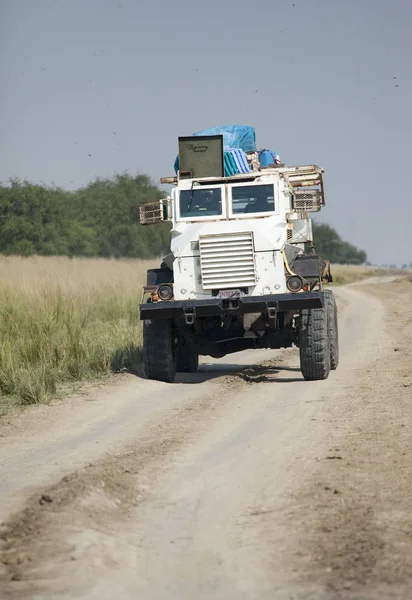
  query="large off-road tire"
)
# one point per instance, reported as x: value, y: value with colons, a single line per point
x: 159, y: 350
x: 187, y: 358
x: 314, y: 343
x: 333, y: 333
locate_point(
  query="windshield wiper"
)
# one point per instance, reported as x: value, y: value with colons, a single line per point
x: 192, y: 191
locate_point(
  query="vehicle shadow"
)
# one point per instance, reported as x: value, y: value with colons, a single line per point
x: 247, y: 373
x: 129, y: 360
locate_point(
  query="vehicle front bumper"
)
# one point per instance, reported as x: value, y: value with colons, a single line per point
x: 220, y: 306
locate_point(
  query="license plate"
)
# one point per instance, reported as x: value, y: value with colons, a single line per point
x: 230, y: 293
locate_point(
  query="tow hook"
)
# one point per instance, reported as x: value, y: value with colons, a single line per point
x: 189, y: 314
x: 230, y: 304
x: 272, y: 315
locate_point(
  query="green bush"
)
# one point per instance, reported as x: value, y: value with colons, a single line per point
x: 330, y: 246
x: 100, y: 219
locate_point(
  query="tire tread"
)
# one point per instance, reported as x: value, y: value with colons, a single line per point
x: 314, y: 344
x: 333, y: 332
x: 159, y: 350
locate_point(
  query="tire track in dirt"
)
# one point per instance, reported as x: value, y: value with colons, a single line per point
x: 360, y: 541
x: 107, y: 491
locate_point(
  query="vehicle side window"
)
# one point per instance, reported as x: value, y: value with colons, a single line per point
x: 253, y: 199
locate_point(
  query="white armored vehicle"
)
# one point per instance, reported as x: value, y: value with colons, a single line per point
x: 242, y: 272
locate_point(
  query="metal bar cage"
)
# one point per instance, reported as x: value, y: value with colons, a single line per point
x: 306, y: 184
x: 151, y: 212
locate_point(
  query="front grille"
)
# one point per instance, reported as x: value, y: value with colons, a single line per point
x: 227, y: 261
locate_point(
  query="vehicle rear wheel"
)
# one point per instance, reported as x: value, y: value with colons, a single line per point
x: 333, y: 333
x: 314, y: 344
x: 159, y: 350
x: 187, y: 358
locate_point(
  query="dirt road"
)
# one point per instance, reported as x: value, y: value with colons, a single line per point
x: 239, y: 482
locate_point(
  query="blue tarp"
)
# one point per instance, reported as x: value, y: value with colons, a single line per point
x: 234, y: 136
x: 268, y: 157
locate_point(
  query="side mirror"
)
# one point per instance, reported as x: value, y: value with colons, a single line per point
x: 155, y: 212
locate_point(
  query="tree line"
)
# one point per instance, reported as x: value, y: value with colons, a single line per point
x: 330, y: 245
x: 101, y: 219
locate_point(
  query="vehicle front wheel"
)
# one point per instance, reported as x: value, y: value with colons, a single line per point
x: 159, y: 350
x: 314, y: 344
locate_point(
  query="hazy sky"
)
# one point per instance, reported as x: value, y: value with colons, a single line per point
x: 93, y: 87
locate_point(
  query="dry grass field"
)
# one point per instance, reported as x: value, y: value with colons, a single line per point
x: 64, y: 320
x: 343, y: 274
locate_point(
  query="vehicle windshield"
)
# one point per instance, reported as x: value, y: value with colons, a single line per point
x: 253, y: 199
x: 200, y: 202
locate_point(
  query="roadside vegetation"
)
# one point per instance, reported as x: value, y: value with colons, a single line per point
x: 63, y: 321
x: 344, y: 274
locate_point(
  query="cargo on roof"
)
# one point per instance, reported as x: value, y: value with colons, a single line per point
x: 222, y: 151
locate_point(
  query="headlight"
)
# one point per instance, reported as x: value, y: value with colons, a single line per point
x: 294, y: 284
x: 165, y: 292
